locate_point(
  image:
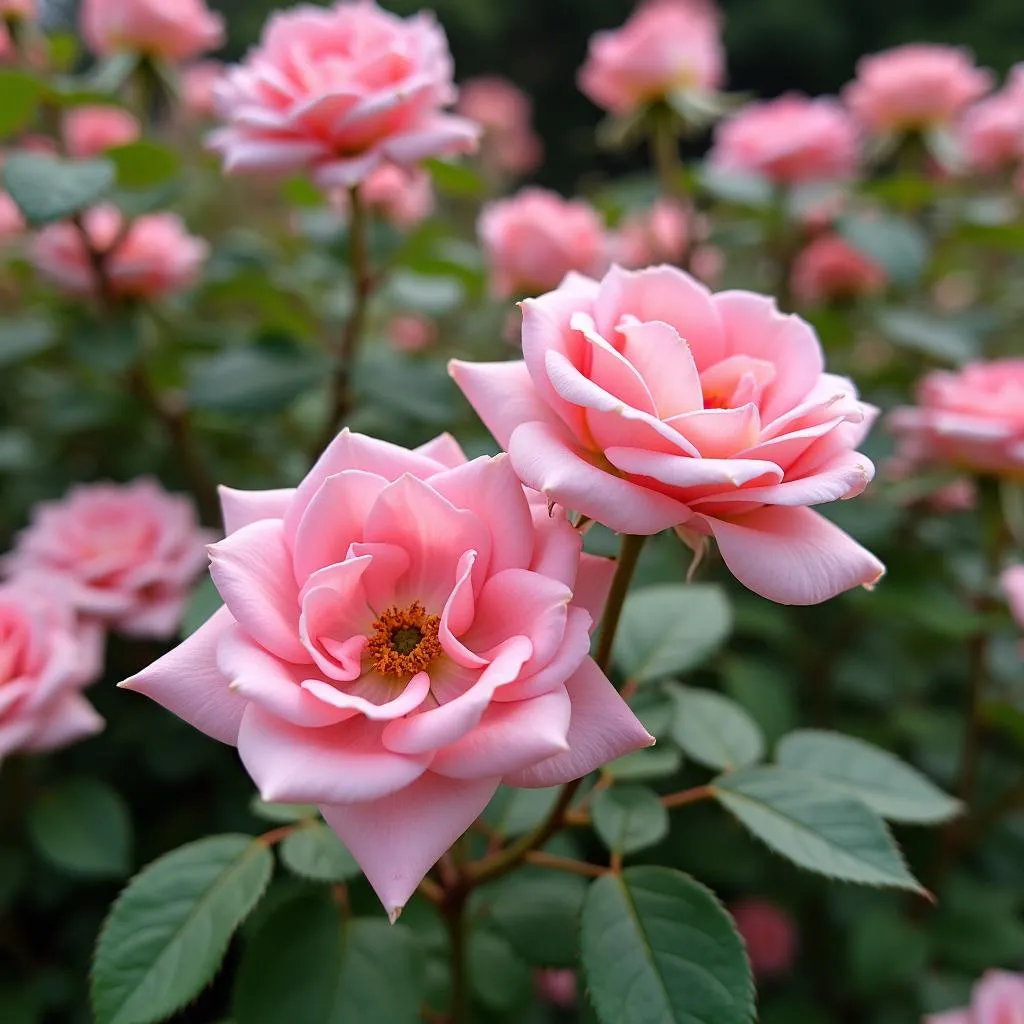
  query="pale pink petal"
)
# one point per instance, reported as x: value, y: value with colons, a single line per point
x: 593, y: 584
x: 444, y: 449
x: 557, y: 545
x: 457, y: 616
x: 609, y: 369
x: 406, y: 698
x: 998, y: 998
x: 664, y: 361
x: 66, y: 720
x: 346, y: 172
x: 951, y: 1017
x: 240, y: 508
x: 443, y: 134
x: 720, y: 433
x: 683, y: 471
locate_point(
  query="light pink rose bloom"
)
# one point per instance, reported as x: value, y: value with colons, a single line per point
x: 829, y: 269
x: 708, y: 264
x: 509, y: 145
x: 769, y: 934
x: 155, y: 258
x: 47, y: 657
x: 991, y: 133
x: 403, y: 196
x: 534, y: 238
x: 913, y: 87
x: 91, y: 130
x: 125, y: 554
x: 972, y: 418
x: 789, y: 140
x: 1013, y: 586
x: 645, y: 402
x: 197, y: 84
x: 998, y: 998
x: 401, y: 633
x: 338, y: 91
x: 657, y: 235
x: 411, y: 332
x: 12, y: 224
x: 664, y: 46
x: 17, y: 9
x: 175, y: 30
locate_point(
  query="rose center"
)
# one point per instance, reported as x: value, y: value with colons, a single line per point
x: 404, y: 641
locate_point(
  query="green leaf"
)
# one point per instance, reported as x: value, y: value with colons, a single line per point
x: 202, y: 603
x: 629, y: 818
x: 456, y: 179
x: 512, y: 812
x: 886, y: 951
x: 168, y: 931
x: 736, y: 187
x: 499, y: 979
x: 920, y: 332
x: 431, y: 294
x: 899, y: 245
x: 670, y: 628
x: 253, y: 381
x: 877, y: 778
x: 714, y: 730
x: 651, y: 763
x: 315, y: 852
x: 658, y: 948
x: 82, y: 826
x: 814, y: 826
x: 309, y: 964
x: 25, y: 336
x: 19, y: 100
x: 47, y: 189
x: 539, y: 914
x: 144, y: 164
x: 284, y: 814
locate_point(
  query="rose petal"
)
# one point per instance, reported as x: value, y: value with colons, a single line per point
x: 240, y: 508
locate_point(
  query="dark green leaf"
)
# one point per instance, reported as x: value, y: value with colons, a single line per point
x: 539, y: 914
x: 47, y: 189
x: 283, y: 813
x: 252, y: 381
x: 886, y: 951
x: 19, y: 100
x: 315, y: 852
x: 898, y: 245
x: 24, y: 337
x: 512, y: 812
x: 629, y: 818
x: 144, y: 164
x: 653, y: 763
x: 715, y: 731
x: 920, y: 332
x: 499, y: 978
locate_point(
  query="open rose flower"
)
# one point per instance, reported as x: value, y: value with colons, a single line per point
x: 175, y: 30
x: 829, y: 269
x: 338, y: 91
x: 125, y: 554
x: 972, y: 418
x: 998, y: 998
x: 991, y: 133
x: 769, y: 934
x: 666, y: 45
x: 90, y: 130
x: 509, y: 144
x: 47, y: 657
x: 400, y: 634
x: 403, y: 196
x: 645, y: 402
x: 658, y: 235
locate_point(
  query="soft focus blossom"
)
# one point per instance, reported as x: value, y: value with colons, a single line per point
x: 12, y: 224
x: 657, y: 235
x: 707, y: 262
x: 197, y: 84
x: 666, y: 45
x: 403, y: 196
x: 124, y: 554
x: 645, y: 402
x: 769, y: 934
x: 1013, y: 586
x: 155, y: 258
x: 411, y: 332
x: 90, y: 130
x: 998, y: 998
x: 830, y: 269
x: 17, y: 9
x: 47, y: 657
x: 509, y: 145
x: 789, y: 140
x: 557, y: 987
x: 175, y: 30
x: 972, y: 418
x: 914, y: 87
x: 991, y: 133
x: 338, y: 91
x: 401, y: 633
x: 534, y: 238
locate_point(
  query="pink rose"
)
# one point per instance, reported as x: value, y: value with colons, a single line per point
x: 534, y: 238
x: 913, y: 87
x: 972, y: 418
x: 403, y: 196
x: 646, y: 403
x: 557, y: 987
x: 708, y: 264
x: 91, y: 130
x: 510, y: 145
x: 197, y: 84
x: 175, y: 30
x: 410, y: 332
x: 666, y: 45
x: 991, y: 134
x: 657, y: 235
x: 769, y: 935
x: 125, y: 554
x: 829, y: 269
x: 17, y: 9
x: 789, y: 140
x: 401, y: 633
x: 154, y: 258
x: 1013, y: 586
x: 338, y: 91
x: 12, y: 224
x: 47, y: 657
x: 998, y: 998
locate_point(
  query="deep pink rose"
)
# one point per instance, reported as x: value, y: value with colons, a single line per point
x: 647, y: 403
x: 657, y: 235
x: 789, y: 140
x: 47, y: 657
x: 90, y: 130
x: 509, y: 145
x: 1013, y: 586
x: 197, y: 84
x: 998, y: 998
x: 155, y: 258
x: 175, y: 30
x: 534, y: 238
x: 338, y: 91
x: 666, y: 45
x: 403, y: 196
x: 125, y: 554
x: 829, y: 269
x: 972, y: 418
x: 769, y: 934
x: 991, y: 134
x: 913, y: 87
x: 411, y: 332
x: 401, y: 633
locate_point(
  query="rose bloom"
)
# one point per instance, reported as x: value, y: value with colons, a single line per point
x: 47, y: 657
x: 972, y: 418
x: 769, y: 935
x: 790, y: 140
x: 534, y: 238
x: 197, y: 83
x: 998, y: 998
x: 155, y: 258
x: 914, y: 87
x: 829, y: 269
x: 338, y: 91
x: 657, y: 235
x: 400, y: 634
x: 403, y: 196
x: 12, y: 223
x: 991, y: 134
x: 645, y: 402
x: 1013, y: 586
x: 175, y: 30
x: 666, y: 45
x: 91, y: 130
x: 707, y: 262
x: 411, y: 332
x: 510, y: 145
x: 125, y: 554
